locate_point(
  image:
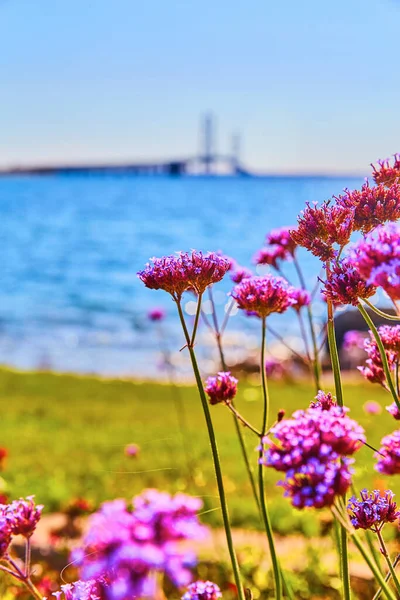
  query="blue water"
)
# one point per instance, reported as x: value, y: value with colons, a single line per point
x: 71, y: 246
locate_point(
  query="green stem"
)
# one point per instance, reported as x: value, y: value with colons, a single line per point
x: 387, y: 578
x: 264, y: 509
x: 382, y: 352
x: 218, y: 336
x: 196, y: 320
x: 381, y: 313
x: 316, y: 363
x: 214, y: 449
x: 239, y: 417
x: 24, y: 578
x: 376, y: 572
x: 388, y: 561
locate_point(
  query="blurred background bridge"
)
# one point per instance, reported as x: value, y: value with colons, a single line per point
x: 207, y: 162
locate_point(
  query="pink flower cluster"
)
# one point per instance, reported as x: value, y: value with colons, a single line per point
x: 221, y: 388
x: 80, y: 590
x: 127, y: 547
x: 262, y: 296
x: 321, y: 227
x: 387, y: 173
x: 323, y: 400
x: 310, y: 448
x: 280, y: 246
x: 202, y: 590
x: 389, y: 455
x: 373, y: 368
x: 18, y: 518
x: 344, y: 285
x: 184, y: 271
x: 373, y: 510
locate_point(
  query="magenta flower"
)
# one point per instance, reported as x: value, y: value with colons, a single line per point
x: 323, y: 400
x: 345, y: 285
x: 263, y: 296
x: 393, y: 410
x: 240, y: 273
x: 5, y: 532
x: 270, y: 256
x: 372, y: 511
x: 282, y: 237
x: 24, y: 515
x: 300, y: 298
x: 317, y: 482
x: 202, y: 590
x: 132, y: 450
x: 274, y: 368
x: 353, y: 339
x: 221, y: 388
x: 373, y: 369
x: 389, y: 454
x: 372, y: 408
x: 387, y: 173
x: 372, y: 206
x: 372, y: 372
x: 156, y: 314
x: 312, y: 433
x: 184, y: 271
x: 321, y: 227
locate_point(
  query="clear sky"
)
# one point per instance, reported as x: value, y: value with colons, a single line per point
x: 313, y: 86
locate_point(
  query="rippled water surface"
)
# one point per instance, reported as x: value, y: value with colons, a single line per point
x: 71, y: 246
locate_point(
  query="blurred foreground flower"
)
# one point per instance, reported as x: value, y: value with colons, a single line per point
x: 132, y: 450
x: 372, y: 408
x: 202, y: 590
x: 389, y: 454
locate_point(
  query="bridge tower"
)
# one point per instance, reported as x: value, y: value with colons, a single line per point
x: 207, y: 142
x: 235, y: 151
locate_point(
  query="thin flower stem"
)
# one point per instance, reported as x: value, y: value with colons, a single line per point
x: 387, y: 578
x: 237, y: 414
x: 10, y: 572
x: 388, y: 561
x: 382, y: 352
x: 316, y: 363
x: 28, y: 557
x: 227, y: 315
x: 376, y: 572
x: 24, y: 578
x: 218, y: 336
x: 215, y: 453
x: 196, y: 320
x: 339, y: 397
x: 264, y: 510
x: 381, y: 313
x: 304, y: 335
x: 282, y: 340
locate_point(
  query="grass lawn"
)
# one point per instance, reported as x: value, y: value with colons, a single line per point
x: 66, y: 437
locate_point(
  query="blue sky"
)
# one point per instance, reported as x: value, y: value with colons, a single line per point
x: 312, y: 86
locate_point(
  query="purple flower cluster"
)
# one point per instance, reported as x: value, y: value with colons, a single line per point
x: 393, y: 410
x: 282, y: 237
x: 18, y: 518
x: 300, y: 298
x: 372, y: 511
x: 387, y: 173
x: 127, y: 547
x: 372, y: 206
x: 344, y: 285
x: 389, y: 455
x: 240, y: 273
x: 184, y: 271
x: 202, y: 590
x: 353, y: 339
x: 274, y: 368
x: 373, y: 368
x: 221, y: 388
x: 377, y: 258
x: 320, y: 227
x: 310, y: 448
x: 263, y: 296
x: 280, y: 246
x: 80, y: 590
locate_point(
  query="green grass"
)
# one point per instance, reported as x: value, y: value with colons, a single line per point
x: 66, y: 437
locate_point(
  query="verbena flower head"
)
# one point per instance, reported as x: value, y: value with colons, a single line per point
x: 282, y: 237
x: 389, y: 454
x: 317, y: 482
x: 274, y: 368
x: 156, y: 314
x: 345, y: 285
x: 372, y: 408
x: 321, y: 227
x: 80, y: 590
x: 183, y: 271
x: 202, y: 590
x: 300, y: 298
x: 377, y: 258
x: 393, y: 410
x: 312, y: 433
x: 221, y: 388
x: 373, y: 369
x: 353, y: 339
x: 128, y: 547
x: 263, y: 296
x: 24, y: 515
x: 372, y: 206
x: 270, y: 256
x: 323, y: 400
x: 5, y: 532
x: 387, y: 173
x: 240, y: 273
x: 372, y: 511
